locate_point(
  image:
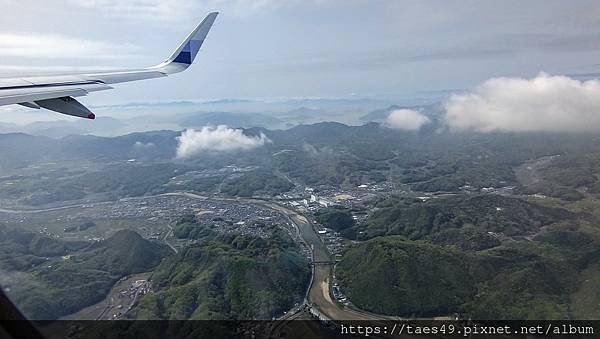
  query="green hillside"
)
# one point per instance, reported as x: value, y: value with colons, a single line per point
x: 227, y: 277
x: 57, y: 287
x: 396, y: 276
x: 486, y: 213
x: 256, y: 183
x: 537, y: 263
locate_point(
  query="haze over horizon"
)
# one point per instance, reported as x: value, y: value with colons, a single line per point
x: 326, y: 48
x: 396, y: 52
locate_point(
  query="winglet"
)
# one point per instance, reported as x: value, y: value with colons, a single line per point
x: 184, y: 56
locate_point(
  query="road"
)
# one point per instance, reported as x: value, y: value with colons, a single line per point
x: 170, y: 233
x: 110, y: 305
x: 41, y: 210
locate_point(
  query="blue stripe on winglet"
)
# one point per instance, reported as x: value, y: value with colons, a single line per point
x: 195, y: 47
x: 189, y: 52
x: 184, y: 58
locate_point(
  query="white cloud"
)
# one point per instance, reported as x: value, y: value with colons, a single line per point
x: 22, y: 70
x: 544, y: 103
x: 406, y: 119
x: 220, y: 138
x: 147, y: 9
x: 59, y: 46
x: 175, y: 10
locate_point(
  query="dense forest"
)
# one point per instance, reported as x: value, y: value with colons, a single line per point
x: 481, y: 256
x: 226, y: 277
x: 46, y: 285
x: 417, y: 219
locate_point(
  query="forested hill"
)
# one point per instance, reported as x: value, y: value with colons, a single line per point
x: 55, y: 286
x: 480, y: 256
x: 226, y: 277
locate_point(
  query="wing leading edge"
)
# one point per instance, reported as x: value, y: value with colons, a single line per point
x: 56, y: 92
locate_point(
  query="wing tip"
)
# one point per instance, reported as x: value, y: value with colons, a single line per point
x: 184, y: 56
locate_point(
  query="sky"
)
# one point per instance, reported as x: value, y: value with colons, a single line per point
x: 314, y: 48
x: 498, y: 65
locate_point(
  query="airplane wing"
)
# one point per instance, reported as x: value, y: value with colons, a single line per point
x: 57, y: 92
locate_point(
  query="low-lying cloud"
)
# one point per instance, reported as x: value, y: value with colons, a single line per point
x: 219, y: 139
x: 542, y: 104
x: 406, y: 119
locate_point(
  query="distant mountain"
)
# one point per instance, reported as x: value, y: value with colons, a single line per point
x: 243, y: 120
x: 314, y: 133
x: 327, y: 152
x: 325, y: 103
x: 381, y: 114
x: 228, y: 101
x: 19, y: 149
x: 125, y: 118
x: 166, y: 112
x: 62, y: 128
x: 338, y: 136
x: 181, y: 103
x: 306, y: 115
x: 155, y: 146
x: 55, y: 127
x: 303, y: 112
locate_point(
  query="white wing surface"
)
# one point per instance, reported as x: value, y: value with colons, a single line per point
x: 58, y: 92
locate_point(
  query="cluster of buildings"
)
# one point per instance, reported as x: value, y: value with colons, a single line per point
x: 134, y: 291
x: 242, y: 219
x: 312, y: 199
x: 338, y: 294
x: 333, y: 241
x: 313, y: 202
x: 227, y: 216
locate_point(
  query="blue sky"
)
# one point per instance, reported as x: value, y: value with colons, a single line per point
x: 318, y: 48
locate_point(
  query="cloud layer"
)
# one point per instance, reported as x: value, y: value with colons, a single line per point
x: 406, y: 119
x: 175, y: 10
x: 220, y: 139
x: 542, y: 104
x: 59, y: 46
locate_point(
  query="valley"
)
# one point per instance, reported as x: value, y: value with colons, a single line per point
x: 317, y: 217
